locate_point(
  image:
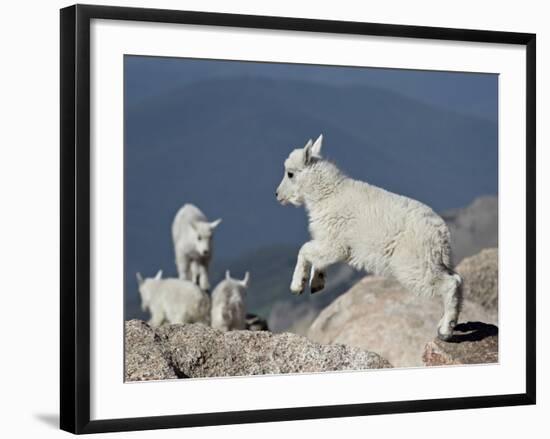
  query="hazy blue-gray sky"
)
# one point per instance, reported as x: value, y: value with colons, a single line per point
x: 474, y: 94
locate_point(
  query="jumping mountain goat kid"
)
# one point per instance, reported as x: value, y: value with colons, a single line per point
x: 192, y: 236
x: 229, y: 303
x: 173, y: 300
x: 370, y: 229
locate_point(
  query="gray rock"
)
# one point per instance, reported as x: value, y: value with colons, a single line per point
x: 472, y: 343
x: 196, y: 350
x: 145, y: 358
x: 378, y: 314
x: 473, y: 227
x: 480, y: 273
x: 287, y: 316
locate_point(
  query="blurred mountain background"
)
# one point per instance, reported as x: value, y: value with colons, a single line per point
x: 216, y: 133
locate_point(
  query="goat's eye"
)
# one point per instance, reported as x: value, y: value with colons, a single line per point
x: 199, y: 238
x: 290, y: 174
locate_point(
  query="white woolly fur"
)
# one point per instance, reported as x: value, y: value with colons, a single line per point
x: 370, y: 229
x: 192, y: 236
x: 229, y: 303
x: 173, y: 300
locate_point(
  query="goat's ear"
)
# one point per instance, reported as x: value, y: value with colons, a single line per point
x: 139, y: 278
x: 308, y: 152
x: 158, y: 275
x: 227, y: 275
x: 316, y: 148
x: 215, y: 224
x: 246, y: 280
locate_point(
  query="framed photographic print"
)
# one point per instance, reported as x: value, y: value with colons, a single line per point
x: 274, y: 218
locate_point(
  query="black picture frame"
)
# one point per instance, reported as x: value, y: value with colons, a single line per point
x: 75, y: 217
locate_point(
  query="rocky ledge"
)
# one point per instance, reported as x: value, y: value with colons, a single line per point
x: 472, y: 343
x: 196, y: 350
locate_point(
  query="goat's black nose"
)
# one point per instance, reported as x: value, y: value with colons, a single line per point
x: 276, y: 193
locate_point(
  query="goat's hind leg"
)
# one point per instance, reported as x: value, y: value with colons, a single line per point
x: 450, y: 288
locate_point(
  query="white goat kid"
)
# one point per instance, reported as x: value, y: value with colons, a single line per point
x: 173, y: 300
x: 370, y: 229
x: 192, y: 236
x: 229, y: 303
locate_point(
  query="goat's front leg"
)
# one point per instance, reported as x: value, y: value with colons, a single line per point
x: 183, y: 263
x: 194, y: 272
x: 314, y: 256
x: 203, y: 282
x: 157, y: 317
x: 301, y: 272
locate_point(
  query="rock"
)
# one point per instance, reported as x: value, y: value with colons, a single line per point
x: 480, y: 273
x: 196, y: 350
x: 378, y: 314
x: 145, y: 358
x: 287, y: 316
x: 473, y: 227
x: 472, y: 343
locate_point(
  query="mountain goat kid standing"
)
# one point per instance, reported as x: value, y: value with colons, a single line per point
x: 369, y: 228
x: 173, y: 300
x: 192, y: 236
x: 229, y: 303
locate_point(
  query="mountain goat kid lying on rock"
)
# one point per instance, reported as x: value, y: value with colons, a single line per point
x: 370, y: 229
x: 229, y: 303
x: 192, y: 236
x: 173, y: 300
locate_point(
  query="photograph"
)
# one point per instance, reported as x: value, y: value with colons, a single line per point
x: 285, y: 218
x: 268, y: 220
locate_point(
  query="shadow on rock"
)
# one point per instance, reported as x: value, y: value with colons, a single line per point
x: 472, y: 343
x: 472, y: 331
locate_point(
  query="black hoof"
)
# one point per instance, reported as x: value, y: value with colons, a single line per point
x: 315, y: 289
